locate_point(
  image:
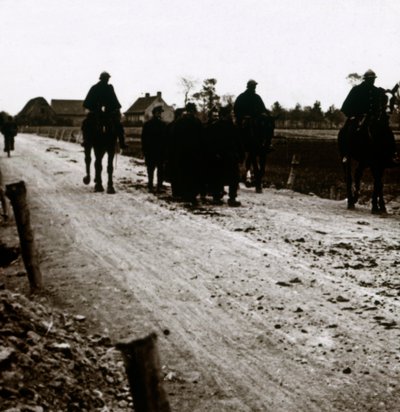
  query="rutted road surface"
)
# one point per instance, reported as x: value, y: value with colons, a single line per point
x: 288, y: 303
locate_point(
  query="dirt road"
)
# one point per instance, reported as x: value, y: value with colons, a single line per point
x: 288, y: 303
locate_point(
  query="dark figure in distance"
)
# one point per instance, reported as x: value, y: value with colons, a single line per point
x: 154, y: 146
x: 363, y: 105
x: 9, y: 130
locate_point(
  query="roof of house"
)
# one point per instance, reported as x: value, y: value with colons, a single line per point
x: 68, y: 107
x: 141, y: 104
x: 38, y: 102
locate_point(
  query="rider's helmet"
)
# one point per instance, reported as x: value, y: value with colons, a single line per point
x: 251, y: 82
x: 104, y: 75
x: 369, y: 74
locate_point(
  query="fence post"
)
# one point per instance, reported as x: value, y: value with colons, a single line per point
x: 142, y: 364
x: 293, y: 171
x: 3, y: 199
x: 16, y: 192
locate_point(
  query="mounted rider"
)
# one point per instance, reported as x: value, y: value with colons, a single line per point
x: 250, y: 111
x: 101, y: 100
x: 365, y: 105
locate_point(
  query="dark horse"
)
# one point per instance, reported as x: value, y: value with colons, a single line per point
x: 257, y: 135
x: 100, y: 133
x: 368, y: 142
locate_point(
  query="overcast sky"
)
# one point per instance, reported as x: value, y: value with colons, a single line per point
x: 298, y: 51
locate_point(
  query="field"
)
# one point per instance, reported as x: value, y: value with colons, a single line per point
x: 319, y: 170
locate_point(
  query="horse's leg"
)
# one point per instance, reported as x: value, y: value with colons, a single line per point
x: 263, y: 159
x: 110, y: 169
x: 347, y: 168
x: 378, y: 201
x: 357, y: 181
x: 247, y: 167
x: 88, y: 161
x: 257, y: 172
x: 99, y: 152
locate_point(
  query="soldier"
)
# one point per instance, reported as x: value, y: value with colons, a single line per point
x: 226, y: 153
x: 188, y: 134
x: 172, y: 161
x: 249, y: 104
x: 366, y: 103
x: 154, y: 146
x: 101, y: 98
x: 253, y: 120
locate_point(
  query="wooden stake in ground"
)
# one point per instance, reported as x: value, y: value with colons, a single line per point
x: 16, y: 192
x: 3, y: 200
x: 293, y: 171
x: 142, y: 364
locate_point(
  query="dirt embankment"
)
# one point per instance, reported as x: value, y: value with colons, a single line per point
x: 288, y: 303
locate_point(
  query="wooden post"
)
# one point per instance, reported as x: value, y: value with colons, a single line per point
x: 293, y: 170
x: 16, y: 192
x: 142, y: 364
x: 3, y: 199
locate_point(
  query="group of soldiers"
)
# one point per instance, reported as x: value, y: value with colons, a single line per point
x: 198, y: 159
x: 201, y: 159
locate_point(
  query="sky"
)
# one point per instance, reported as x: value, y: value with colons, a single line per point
x: 298, y: 51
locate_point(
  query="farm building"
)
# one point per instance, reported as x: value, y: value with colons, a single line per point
x: 141, y: 110
x: 37, y: 112
x: 69, y: 112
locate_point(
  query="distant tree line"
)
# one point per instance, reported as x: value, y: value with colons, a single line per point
x: 305, y: 117
x: 299, y: 117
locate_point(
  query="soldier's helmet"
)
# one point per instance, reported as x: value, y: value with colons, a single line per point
x: 369, y: 74
x: 104, y: 75
x: 251, y: 82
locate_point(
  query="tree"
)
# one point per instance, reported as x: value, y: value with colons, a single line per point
x: 187, y: 85
x: 228, y: 99
x: 354, y: 78
x: 334, y: 116
x: 277, y: 110
x: 207, y: 97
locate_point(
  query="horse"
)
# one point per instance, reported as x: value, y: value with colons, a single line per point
x: 368, y: 142
x: 257, y: 135
x: 100, y: 132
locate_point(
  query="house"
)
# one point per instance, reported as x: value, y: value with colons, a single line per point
x: 37, y: 112
x: 141, y: 110
x: 69, y: 112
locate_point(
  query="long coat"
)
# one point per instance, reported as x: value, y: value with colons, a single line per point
x: 101, y: 95
x: 250, y: 104
x: 224, y: 151
x: 363, y: 99
x: 154, y: 140
x: 189, y: 156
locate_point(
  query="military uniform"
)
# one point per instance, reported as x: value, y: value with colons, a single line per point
x: 225, y: 153
x: 364, y: 106
x: 188, y: 138
x: 154, y: 146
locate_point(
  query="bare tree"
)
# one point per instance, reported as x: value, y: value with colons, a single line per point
x: 187, y: 85
x: 354, y: 78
